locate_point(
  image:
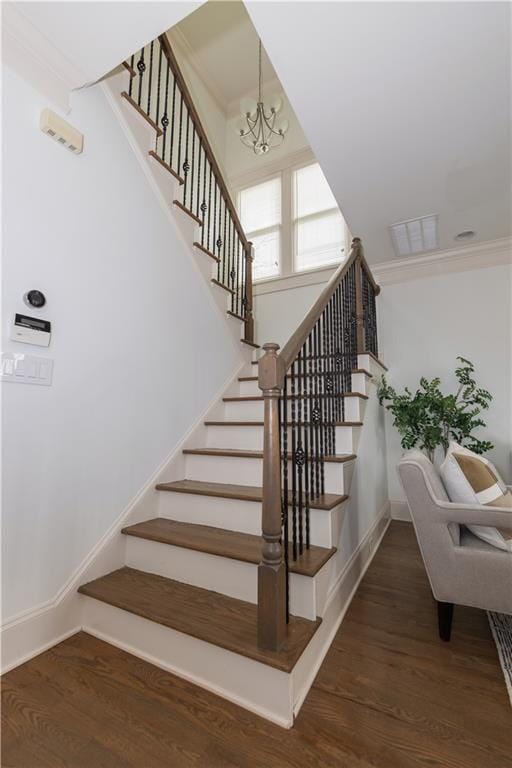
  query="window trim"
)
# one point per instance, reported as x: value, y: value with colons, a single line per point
x: 285, y: 168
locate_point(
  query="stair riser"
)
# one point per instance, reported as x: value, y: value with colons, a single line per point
x: 226, y: 469
x: 233, y: 514
x: 256, y: 686
x: 252, y: 410
x: 251, y: 388
x: 251, y: 438
x: 220, y: 574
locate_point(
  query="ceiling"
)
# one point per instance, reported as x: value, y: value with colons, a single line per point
x: 224, y: 43
x: 406, y: 106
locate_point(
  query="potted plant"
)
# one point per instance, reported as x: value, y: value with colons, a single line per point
x: 429, y: 418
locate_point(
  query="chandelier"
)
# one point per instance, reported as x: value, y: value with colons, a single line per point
x: 260, y: 128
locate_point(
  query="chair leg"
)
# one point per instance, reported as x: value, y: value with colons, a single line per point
x: 445, y: 616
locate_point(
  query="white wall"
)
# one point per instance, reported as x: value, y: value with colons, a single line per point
x: 96, y: 37
x: 139, y: 347
x: 425, y: 324
x: 278, y: 314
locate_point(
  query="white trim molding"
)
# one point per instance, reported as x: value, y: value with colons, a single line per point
x: 491, y: 253
x: 36, y: 59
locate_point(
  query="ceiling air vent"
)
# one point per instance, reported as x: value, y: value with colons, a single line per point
x: 415, y: 235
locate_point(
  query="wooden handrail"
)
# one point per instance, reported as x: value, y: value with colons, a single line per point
x: 291, y: 349
x: 202, y: 135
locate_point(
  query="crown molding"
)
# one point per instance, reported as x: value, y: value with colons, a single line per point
x: 36, y: 59
x: 491, y: 253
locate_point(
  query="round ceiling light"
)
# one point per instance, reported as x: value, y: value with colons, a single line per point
x: 466, y: 235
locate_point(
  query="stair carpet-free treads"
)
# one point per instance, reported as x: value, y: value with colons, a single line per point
x: 209, y: 616
x: 222, y: 542
x: 244, y: 398
x: 248, y: 454
x: 326, y: 501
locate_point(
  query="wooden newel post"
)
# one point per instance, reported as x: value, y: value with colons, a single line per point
x: 271, y: 571
x: 249, y: 317
x: 358, y: 264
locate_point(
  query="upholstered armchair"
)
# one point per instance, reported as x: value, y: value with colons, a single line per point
x: 462, y: 569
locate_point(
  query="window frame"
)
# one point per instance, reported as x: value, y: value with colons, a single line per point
x: 285, y: 168
x: 272, y: 228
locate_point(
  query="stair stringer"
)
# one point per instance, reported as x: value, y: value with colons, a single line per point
x: 141, y: 137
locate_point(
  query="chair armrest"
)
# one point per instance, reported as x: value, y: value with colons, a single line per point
x: 474, y: 514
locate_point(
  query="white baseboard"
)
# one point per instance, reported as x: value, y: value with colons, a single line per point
x: 399, y: 510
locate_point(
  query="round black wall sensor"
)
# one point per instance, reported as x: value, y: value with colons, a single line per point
x: 35, y: 299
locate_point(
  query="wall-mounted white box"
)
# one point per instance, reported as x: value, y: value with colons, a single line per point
x: 26, y: 369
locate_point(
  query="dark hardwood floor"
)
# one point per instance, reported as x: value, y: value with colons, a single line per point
x: 388, y: 695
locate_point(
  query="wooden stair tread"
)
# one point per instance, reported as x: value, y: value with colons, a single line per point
x: 249, y: 454
x: 261, y: 424
x: 183, y: 208
x: 242, y: 398
x: 206, y: 251
x: 222, y: 542
x: 141, y: 112
x: 250, y: 343
x: 209, y: 616
x: 310, y: 375
x: 241, y: 492
x: 165, y: 165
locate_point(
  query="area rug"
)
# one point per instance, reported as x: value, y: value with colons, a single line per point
x: 501, y: 628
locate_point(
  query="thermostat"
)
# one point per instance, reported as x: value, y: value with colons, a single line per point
x: 31, y: 330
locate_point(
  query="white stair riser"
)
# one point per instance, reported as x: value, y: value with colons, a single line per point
x: 252, y: 410
x: 249, y: 471
x: 250, y: 388
x: 251, y: 438
x: 233, y: 514
x: 256, y: 686
x: 219, y: 574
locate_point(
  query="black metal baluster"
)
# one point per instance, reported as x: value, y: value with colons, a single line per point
x: 307, y: 417
x: 313, y: 486
x: 141, y: 66
x: 214, y: 235
x: 158, y: 83
x: 209, y: 207
x: 180, y: 131
x: 173, y: 126
x: 321, y: 401
x: 316, y: 411
x: 130, y: 84
x: 192, y: 166
x: 326, y: 377
x: 285, y: 506
x: 198, y: 178
x: 165, y: 116
x: 186, y: 163
x: 204, y: 206
x: 225, y: 268
x: 150, y: 81
x: 293, y: 465
x: 218, y: 242
x: 298, y: 457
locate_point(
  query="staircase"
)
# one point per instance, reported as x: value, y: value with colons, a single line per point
x: 231, y: 578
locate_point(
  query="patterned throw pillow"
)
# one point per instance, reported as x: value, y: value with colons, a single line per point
x: 471, y: 479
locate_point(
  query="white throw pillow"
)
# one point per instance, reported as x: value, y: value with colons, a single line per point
x: 493, y: 492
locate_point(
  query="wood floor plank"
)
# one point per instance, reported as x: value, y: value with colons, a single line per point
x: 224, y: 543
x: 207, y: 615
x: 388, y: 695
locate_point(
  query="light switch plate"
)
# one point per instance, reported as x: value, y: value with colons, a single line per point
x: 26, y: 369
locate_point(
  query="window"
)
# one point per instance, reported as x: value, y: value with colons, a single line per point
x: 260, y: 216
x: 318, y: 226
